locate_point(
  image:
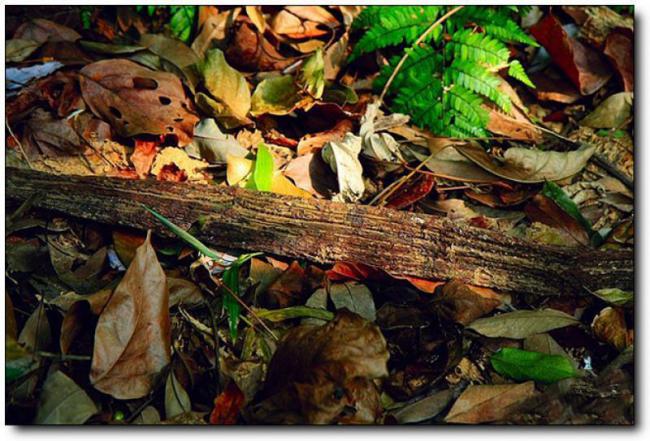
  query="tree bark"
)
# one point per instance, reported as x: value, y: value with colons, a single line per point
x: 398, y: 242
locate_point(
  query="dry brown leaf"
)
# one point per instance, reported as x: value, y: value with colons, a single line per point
x: 483, y: 403
x: 136, y: 100
x: 585, y: 67
x: 545, y: 210
x: 313, y: 142
x: 79, y: 314
x: 609, y: 326
x: 286, y: 23
x: 529, y: 165
x: 42, y: 30
x: 213, y: 30
x: 465, y: 303
x: 250, y: 51
x: 132, y: 338
x: 619, y: 49
x: 143, y: 155
x: 257, y: 17
x: 324, y: 374
x: 189, y: 169
x: 314, y: 13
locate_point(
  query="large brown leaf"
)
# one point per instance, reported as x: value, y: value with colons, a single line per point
x: 324, y: 374
x: 132, y: 339
x: 483, y: 403
x: 583, y: 65
x: 136, y: 100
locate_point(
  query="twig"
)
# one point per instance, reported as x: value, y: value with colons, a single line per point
x: 391, y: 189
x: 418, y: 41
x: 20, y: 146
x: 63, y: 357
x: 244, y: 305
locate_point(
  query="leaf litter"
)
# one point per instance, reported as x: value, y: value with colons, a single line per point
x: 115, y: 327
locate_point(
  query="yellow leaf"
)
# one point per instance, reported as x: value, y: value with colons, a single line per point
x: 237, y: 169
x: 282, y: 185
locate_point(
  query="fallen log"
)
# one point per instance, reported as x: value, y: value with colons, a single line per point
x: 399, y: 242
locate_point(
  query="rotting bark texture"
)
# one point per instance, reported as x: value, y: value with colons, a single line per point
x: 399, y: 242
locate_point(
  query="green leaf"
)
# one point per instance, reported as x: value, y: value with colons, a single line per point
x: 293, y: 312
x: 231, y: 280
x: 523, y: 365
x: 615, y: 296
x: 312, y: 74
x: 184, y: 235
x: 182, y: 21
x: 275, y: 96
x: 262, y: 176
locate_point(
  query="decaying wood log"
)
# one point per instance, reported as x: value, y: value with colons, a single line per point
x: 322, y: 231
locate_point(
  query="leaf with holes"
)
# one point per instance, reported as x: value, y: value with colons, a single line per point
x: 136, y: 100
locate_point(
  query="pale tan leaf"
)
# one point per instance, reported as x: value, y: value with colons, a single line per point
x: 521, y: 324
x: 132, y: 338
x: 483, y: 403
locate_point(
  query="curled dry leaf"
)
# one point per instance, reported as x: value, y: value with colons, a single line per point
x: 583, y: 65
x: 251, y: 51
x: 619, y: 49
x: 483, y: 403
x: 132, y: 338
x: 530, y: 166
x: 187, y: 168
x: 211, y: 145
x: 465, y: 303
x: 609, y: 326
x: 343, y: 159
x: 319, y: 374
x: 136, y: 100
x: 522, y: 324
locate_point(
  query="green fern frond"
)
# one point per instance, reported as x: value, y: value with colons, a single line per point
x: 516, y: 71
x: 467, y: 104
x: 479, y: 80
x: 444, y: 83
x: 391, y: 26
x: 480, y: 48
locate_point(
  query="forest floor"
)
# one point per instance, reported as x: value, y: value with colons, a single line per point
x: 108, y: 323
